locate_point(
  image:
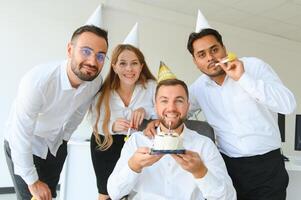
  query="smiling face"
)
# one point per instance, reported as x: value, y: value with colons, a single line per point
x: 84, y: 55
x: 206, y: 52
x: 172, y: 107
x: 128, y: 67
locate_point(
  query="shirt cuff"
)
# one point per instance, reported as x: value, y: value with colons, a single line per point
x: 247, y: 82
x: 131, y: 175
x: 30, y: 177
x: 208, y: 184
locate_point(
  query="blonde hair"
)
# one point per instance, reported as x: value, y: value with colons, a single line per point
x: 112, y: 82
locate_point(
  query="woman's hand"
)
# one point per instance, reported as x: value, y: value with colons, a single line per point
x: 120, y: 125
x: 137, y: 117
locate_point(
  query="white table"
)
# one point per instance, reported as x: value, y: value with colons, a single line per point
x: 294, y: 171
x: 78, y: 180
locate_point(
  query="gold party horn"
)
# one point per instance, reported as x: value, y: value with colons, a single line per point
x: 230, y: 57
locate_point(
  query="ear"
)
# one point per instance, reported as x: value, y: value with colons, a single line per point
x: 69, y: 49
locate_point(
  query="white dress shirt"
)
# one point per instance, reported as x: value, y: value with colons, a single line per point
x: 141, y: 98
x: 46, y: 111
x: 243, y: 113
x: 166, y: 179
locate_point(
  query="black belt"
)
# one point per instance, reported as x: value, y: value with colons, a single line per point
x: 270, y: 154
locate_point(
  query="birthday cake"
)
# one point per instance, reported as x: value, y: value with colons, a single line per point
x: 168, y: 143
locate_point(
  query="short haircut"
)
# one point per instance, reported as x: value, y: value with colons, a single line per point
x: 92, y: 29
x: 172, y: 82
x: 204, y: 32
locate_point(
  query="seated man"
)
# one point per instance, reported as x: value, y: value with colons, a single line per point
x: 200, y: 173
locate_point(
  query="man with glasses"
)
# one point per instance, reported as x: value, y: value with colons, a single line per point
x: 51, y: 102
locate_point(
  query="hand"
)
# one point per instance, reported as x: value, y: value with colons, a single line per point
x: 142, y: 158
x: 137, y: 117
x: 40, y: 191
x: 234, y: 69
x: 121, y: 125
x: 150, y: 130
x: 191, y: 162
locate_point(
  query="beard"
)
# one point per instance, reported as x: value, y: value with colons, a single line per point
x: 173, y: 125
x: 217, y: 72
x: 88, y: 76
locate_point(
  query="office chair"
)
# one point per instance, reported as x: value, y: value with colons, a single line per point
x: 201, y: 127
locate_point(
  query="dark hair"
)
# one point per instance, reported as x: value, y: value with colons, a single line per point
x: 208, y: 31
x: 172, y: 82
x: 90, y: 28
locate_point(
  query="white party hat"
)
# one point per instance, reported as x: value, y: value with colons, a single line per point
x: 96, y: 18
x: 132, y: 38
x: 201, y: 22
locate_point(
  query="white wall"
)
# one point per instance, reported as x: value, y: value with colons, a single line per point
x: 35, y: 31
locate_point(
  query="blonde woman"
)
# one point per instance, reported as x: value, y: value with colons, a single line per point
x: 125, y: 99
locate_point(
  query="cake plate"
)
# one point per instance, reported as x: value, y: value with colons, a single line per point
x: 157, y: 152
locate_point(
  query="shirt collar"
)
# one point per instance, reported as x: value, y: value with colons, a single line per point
x: 65, y: 82
x: 211, y: 82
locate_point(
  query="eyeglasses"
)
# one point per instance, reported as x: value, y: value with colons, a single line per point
x: 86, y: 52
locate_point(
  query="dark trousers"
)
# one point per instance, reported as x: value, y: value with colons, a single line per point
x: 105, y: 161
x: 48, y: 170
x: 261, y: 177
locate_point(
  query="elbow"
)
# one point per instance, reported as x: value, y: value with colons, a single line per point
x: 293, y: 108
x: 290, y: 107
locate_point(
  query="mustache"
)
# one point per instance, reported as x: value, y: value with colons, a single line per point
x: 212, y: 64
x: 90, y: 66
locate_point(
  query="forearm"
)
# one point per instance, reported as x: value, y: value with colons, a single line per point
x: 24, y: 167
x: 20, y: 140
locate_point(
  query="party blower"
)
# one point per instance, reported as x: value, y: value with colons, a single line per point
x: 230, y: 57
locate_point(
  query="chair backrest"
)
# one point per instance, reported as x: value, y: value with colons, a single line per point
x: 201, y: 127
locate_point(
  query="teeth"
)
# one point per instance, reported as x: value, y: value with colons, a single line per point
x: 171, y: 115
x: 129, y: 76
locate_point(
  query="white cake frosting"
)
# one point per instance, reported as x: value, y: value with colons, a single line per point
x: 168, y: 141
